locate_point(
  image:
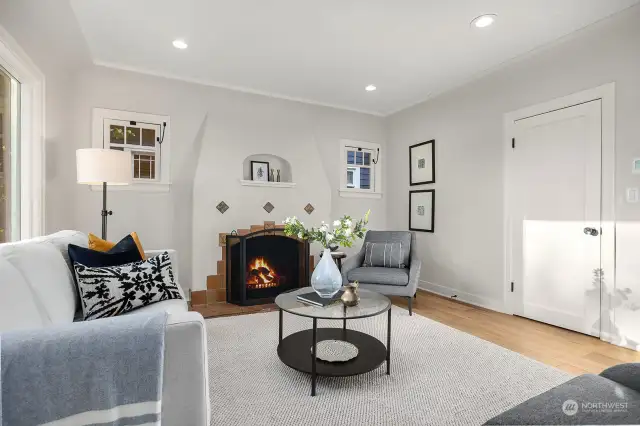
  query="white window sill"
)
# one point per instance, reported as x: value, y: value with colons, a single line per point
x: 267, y: 184
x: 140, y: 187
x: 354, y: 193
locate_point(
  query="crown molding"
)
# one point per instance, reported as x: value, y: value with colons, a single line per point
x: 242, y: 89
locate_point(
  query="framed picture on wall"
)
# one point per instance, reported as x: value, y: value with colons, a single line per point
x: 260, y: 171
x: 422, y: 163
x: 422, y: 205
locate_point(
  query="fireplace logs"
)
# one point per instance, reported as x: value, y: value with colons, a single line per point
x: 262, y: 264
x: 262, y: 275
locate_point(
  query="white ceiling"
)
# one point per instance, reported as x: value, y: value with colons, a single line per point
x: 327, y: 51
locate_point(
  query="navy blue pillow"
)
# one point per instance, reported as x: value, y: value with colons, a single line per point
x: 122, y: 253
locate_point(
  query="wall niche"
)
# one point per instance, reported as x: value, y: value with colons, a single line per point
x: 275, y: 163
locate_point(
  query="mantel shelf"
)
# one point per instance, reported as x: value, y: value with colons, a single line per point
x: 267, y: 184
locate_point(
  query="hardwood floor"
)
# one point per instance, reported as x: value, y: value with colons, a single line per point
x: 567, y: 350
x: 227, y: 309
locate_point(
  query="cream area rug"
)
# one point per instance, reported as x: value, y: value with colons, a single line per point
x: 439, y: 376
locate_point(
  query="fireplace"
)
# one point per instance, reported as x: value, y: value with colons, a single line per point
x: 262, y: 264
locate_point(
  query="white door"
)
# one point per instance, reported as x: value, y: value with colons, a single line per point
x: 554, y: 214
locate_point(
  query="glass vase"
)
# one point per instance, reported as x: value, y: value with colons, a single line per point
x: 326, y: 279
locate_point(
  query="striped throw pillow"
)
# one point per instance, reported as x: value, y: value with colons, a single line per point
x: 387, y: 255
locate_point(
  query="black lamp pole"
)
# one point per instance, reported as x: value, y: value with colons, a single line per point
x: 95, y: 165
x: 105, y: 212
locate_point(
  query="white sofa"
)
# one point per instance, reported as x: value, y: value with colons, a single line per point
x: 37, y: 290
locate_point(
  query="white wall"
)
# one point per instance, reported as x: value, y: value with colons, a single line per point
x: 465, y: 254
x: 47, y: 31
x: 213, y: 131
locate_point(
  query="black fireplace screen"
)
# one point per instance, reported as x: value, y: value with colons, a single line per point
x: 263, y: 264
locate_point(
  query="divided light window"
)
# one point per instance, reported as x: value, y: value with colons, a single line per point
x: 359, y: 168
x: 142, y: 140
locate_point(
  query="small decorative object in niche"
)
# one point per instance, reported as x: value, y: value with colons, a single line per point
x: 268, y: 207
x: 260, y: 171
x: 422, y: 210
x: 309, y: 208
x: 272, y: 177
x: 422, y: 163
x: 278, y: 175
x: 222, y: 207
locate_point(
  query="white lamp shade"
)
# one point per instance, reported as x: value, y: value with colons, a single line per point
x: 95, y: 166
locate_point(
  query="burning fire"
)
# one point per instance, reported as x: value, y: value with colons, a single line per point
x: 261, y: 275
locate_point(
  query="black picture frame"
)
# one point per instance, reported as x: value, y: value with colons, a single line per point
x: 433, y: 210
x: 259, y: 162
x: 433, y: 162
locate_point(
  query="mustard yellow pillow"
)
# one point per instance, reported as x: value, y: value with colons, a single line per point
x: 98, y: 244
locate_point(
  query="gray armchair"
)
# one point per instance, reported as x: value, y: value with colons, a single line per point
x: 388, y: 281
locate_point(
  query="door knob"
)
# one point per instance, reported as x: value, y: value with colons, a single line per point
x: 591, y: 231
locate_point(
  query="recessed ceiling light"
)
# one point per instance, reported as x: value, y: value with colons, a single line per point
x: 483, y: 21
x: 370, y: 88
x: 180, y: 44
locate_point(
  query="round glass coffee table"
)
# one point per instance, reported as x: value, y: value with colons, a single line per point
x: 299, y: 350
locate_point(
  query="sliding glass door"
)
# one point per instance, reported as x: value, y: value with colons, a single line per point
x: 9, y: 157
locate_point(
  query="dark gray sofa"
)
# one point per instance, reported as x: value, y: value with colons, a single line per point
x: 610, y: 398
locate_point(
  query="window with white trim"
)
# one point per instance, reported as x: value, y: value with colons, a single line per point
x: 142, y: 140
x: 360, y: 169
x: 145, y: 136
x: 22, y: 142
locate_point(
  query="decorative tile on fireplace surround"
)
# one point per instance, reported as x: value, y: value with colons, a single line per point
x: 268, y: 207
x: 222, y: 207
x: 309, y: 208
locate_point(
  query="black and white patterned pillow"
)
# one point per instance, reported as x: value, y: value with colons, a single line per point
x: 113, y: 290
x: 386, y: 255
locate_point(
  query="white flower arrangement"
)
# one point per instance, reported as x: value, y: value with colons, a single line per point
x: 344, y: 233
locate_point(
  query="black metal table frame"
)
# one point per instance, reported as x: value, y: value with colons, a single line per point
x: 344, y: 328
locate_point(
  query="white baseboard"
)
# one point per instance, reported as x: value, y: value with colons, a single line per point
x: 473, y: 299
x: 615, y: 340
x: 496, y: 305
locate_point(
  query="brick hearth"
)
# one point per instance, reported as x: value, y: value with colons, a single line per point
x: 212, y: 302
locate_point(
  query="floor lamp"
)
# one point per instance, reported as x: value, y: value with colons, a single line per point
x: 103, y: 167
